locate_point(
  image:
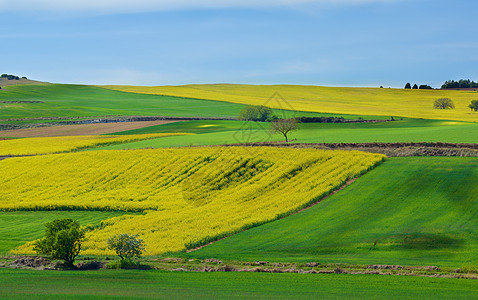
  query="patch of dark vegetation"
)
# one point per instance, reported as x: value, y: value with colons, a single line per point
x: 127, y: 265
x: 424, y: 241
x: 11, y: 77
x: 90, y: 265
x: 389, y: 149
x: 338, y: 120
x: 22, y: 101
x: 69, y: 208
x: 460, y: 84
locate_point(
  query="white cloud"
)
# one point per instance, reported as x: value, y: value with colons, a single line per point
x: 125, y: 6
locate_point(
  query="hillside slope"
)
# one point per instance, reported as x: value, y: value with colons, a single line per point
x: 66, y: 100
x: 416, y: 211
x: 341, y: 100
x: 188, y: 196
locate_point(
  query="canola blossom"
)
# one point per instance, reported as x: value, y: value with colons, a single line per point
x: 187, y: 196
x: 336, y: 100
x: 46, y: 145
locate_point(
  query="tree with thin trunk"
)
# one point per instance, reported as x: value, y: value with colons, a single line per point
x: 283, y: 126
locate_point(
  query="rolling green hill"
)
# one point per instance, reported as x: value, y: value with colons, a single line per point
x: 61, y: 100
x: 411, y: 211
x: 66, y: 100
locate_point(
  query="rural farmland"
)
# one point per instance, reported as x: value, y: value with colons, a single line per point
x: 290, y: 149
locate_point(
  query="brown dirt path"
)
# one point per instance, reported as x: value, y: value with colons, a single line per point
x: 83, y: 129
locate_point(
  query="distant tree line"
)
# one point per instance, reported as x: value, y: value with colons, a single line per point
x: 416, y: 87
x: 11, y: 77
x: 460, y: 84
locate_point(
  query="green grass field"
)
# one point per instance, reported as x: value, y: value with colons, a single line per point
x: 180, y: 285
x: 81, y: 101
x: 66, y: 100
x: 226, y: 132
x: 17, y: 228
x: 411, y: 211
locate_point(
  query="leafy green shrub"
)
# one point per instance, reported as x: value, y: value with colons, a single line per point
x: 469, y: 268
x: 62, y: 240
x: 123, y: 264
x: 126, y: 246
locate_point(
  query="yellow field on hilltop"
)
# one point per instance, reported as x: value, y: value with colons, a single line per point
x: 187, y: 195
x: 339, y: 100
x: 45, y: 145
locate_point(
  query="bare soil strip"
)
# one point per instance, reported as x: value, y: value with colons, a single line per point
x: 178, y: 264
x: 389, y: 149
x: 85, y: 129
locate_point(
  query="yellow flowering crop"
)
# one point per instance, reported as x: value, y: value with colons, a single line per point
x: 187, y: 195
x: 338, y: 100
x: 45, y: 145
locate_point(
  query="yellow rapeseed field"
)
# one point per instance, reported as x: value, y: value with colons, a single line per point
x: 45, y: 145
x: 187, y: 196
x: 338, y: 100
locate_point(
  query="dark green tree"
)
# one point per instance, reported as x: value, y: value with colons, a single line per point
x: 415, y: 87
x: 473, y: 105
x: 62, y: 240
x: 443, y: 103
x: 256, y: 113
x: 408, y: 85
x: 425, y: 87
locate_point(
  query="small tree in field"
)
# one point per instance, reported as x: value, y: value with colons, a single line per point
x: 443, y: 103
x: 473, y: 105
x: 283, y: 126
x: 126, y: 246
x: 62, y: 240
x: 256, y: 113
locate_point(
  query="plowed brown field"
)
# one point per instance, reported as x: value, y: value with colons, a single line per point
x: 83, y: 129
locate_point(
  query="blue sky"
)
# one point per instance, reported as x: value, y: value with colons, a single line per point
x: 320, y: 42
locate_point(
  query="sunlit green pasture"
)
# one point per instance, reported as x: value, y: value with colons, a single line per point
x: 411, y: 211
x: 230, y: 132
x: 183, y: 285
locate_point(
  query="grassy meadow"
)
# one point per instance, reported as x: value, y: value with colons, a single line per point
x: 67, y: 100
x: 179, y: 285
x: 337, y: 100
x: 232, y: 132
x: 20, y: 227
x: 411, y: 211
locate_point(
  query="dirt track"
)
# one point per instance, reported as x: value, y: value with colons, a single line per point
x: 84, y: 129
x: 389, y: 149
